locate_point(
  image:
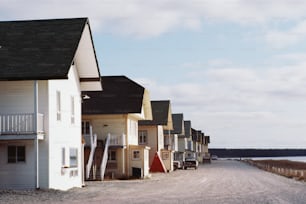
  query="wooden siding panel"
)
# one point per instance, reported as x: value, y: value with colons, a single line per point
x: 16, y: 97
x: 17, y: 175
x: 64, y: 134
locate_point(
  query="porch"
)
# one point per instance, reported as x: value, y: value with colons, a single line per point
x: 20, y: 126
x: 100, y: 155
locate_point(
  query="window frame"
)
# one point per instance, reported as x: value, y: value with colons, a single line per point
x: 112, y: 156
x: 136, y: 155
x: 72, y: 116
x: 58, y: 106
x: 85, y: 128
x: 73, y: 156
x: 19, y: 154
x: 64, y: 157
x: 142, y: 138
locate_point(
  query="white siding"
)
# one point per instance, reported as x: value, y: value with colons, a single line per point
x: 17, y: 175
x: 43, y: 144
x: 146, y: 164
x: 151, y: 140
x: 63, y: 134
x: 103, y: 125
x: 132, y: 132
x: 160, y: 138
x: 16, y: 97
x: 175, y: 142
x: 181, y: 144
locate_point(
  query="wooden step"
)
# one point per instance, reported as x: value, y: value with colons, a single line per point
x: 96, y: 166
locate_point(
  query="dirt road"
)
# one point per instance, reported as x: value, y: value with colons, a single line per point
x: 221, y: 182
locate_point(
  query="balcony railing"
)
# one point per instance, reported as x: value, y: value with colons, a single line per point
x: 117, y: 140
x: 22, y: 123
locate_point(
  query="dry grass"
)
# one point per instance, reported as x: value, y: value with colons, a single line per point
x: 290, y: 169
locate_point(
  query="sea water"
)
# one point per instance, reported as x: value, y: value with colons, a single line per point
x: 297, y: 158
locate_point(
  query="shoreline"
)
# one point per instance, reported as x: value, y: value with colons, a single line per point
x: 286, y: 168
x: 222, y: 181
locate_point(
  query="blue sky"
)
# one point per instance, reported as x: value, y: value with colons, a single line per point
x: 235, y: 68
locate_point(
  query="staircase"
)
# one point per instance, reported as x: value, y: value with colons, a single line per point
x: 95, y: 171
x: 98, y: 160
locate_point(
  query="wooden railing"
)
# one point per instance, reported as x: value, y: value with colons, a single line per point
x: 117, y: 140
x: 93, y: 145
x: 22, y: 123
x: 105, y: 157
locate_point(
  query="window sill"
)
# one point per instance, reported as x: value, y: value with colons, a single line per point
x: 69, y: 167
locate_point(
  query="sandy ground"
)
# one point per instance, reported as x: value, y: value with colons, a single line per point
x: 222, y: 181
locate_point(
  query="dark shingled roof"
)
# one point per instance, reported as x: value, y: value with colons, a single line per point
x: 187, y: 127
x: 38, y: 49
x: 207, y: 139
x: 196, y: 134
x: 160, y: 110
x: 120, y: 95
x: 177, y: 119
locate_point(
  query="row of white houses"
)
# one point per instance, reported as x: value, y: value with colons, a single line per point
x: 61, y: 123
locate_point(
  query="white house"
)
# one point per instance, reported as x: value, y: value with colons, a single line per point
x: 113, y: 115
x: 151, y: 133
x: 44, y: 66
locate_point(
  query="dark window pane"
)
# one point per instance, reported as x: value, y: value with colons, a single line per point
x: 73, y: 157
x: 11, y: 154
x: 21, y: 154
x: 87, y: 128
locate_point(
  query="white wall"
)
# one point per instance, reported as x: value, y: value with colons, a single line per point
x: 142, y: 162
x: 16, y: 97
x: 17, y: 175
x: 151, y: 140
x: 167, y: 158
x: 175, y: 143
x: 102, y: 125
x: 160, y: 131
x: 182, y: 144
x: 64, y: 134
x: 43, y: 108
x: 132, y: 131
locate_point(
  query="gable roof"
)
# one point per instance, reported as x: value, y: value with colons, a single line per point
x: 160, y: 110
x: 45, y: 49
x: 178, y: 126
x: 196, y: 134
x: 120, y: 95
x: 206, y: 139
x: 187, y: 127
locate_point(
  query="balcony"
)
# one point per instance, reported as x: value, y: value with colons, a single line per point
x: 117, y: 140
x: 21, y: 124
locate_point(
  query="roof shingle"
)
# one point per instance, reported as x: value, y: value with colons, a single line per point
x: 120, y: 95
x: 160, y: 110
x: 38, y: 49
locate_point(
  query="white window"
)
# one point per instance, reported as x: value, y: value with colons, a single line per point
x: 85, y: 127
x: 142, y: 136
x: 112, y: 155
x: 73, y: 157
x: 133, y: 127
x: 16, y: 154
x: 58, y: 105
x: 72, y: 110
x: 63, y: 156
x: 136, y: 154
x: 165, y: 155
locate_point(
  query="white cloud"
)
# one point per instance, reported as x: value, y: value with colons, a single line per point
x: 239, y: 106
x: 282, y: 39
x: 152, y: 18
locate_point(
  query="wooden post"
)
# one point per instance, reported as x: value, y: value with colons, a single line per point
x: 36, y: 143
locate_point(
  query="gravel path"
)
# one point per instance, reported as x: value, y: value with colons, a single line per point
x: 223, y: 181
